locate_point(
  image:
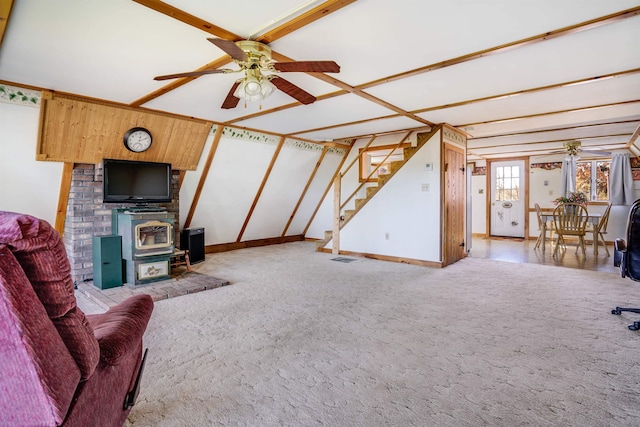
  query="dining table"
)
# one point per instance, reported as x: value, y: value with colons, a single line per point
x: 594, y: 218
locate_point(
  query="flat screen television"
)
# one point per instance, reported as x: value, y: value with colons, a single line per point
x: 126, y: 181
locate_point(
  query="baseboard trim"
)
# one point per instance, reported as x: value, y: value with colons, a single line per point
x: 225, y: 247
x: 379, y: 257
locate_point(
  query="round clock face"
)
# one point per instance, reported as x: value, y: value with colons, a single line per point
x: 137, y: 139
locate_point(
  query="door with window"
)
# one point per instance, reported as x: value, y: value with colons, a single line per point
x: 507, y: 198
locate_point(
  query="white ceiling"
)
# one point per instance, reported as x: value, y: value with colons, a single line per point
x: 112, y: 49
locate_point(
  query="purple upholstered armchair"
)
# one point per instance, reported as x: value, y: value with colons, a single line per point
x: 58, y: 366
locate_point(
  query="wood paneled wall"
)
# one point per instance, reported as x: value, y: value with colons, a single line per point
x: 80, y: 130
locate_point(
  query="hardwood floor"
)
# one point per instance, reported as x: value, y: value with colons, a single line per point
x: 519, y: 250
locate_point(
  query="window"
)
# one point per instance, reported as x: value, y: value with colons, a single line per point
x: 592, y: 178
x: 507, y: 183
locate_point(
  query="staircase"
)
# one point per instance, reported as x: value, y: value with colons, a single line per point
x: 394, y: 167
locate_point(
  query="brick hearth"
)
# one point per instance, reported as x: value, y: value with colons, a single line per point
x: 87, y: 216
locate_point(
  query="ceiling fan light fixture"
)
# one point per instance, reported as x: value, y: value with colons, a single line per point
x: 254, y: 87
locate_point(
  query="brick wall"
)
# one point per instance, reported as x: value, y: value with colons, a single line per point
x: 87, y: 216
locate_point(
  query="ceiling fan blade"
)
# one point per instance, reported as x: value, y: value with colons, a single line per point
x: 231, y: 48
x: 596, y: 152
x: 293, y: 90
x: 192, y: 74
x: 308, y: 66
x: 231, y: 101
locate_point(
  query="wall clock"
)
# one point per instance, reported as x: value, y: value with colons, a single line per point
x: 137, y: 139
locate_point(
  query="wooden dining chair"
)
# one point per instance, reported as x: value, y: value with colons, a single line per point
x: 570, y: 219
x: 543, y: 229
x: 601, y: 229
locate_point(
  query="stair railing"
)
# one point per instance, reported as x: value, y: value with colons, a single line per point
x: 402, y: 140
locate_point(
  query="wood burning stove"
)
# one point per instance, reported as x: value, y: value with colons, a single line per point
x: 147, y: 244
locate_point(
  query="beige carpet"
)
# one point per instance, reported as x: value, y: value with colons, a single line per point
x: 300, y: 340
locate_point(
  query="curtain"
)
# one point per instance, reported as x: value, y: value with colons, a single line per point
x: 620, y: 180
x: 568, y: 183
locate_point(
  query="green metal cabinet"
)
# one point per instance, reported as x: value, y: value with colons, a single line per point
x: 107, y: 261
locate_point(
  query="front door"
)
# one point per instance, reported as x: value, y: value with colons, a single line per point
x: 507, y: 198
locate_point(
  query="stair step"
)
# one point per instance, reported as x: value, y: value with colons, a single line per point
x: 360, y: 202
x: 348, y: 213
x: 408, y: 151
x: 328, y: 235
x: 382, y: 179
x: 371, y: 191
x: 394, y: 166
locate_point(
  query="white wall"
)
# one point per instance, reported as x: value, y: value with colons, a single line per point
x: 26, y: 185
x: 239, y: 166
x: 401, y: 220
x: 478, y: 201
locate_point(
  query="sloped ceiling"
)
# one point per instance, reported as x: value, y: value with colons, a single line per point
x: 519, y: 77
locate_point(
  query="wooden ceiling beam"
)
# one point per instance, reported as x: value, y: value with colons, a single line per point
x: 608, y: 19
x: 550, y: 113
x: 550, y: 141
x: 5, y: 13
x: 194, y: 21
x: 530, y: 132
x: 528, y: 91
x: 583, y: 26
x: 306, y: 18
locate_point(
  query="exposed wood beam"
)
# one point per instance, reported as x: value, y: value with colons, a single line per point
x: 306, y: 18
x: 346, y: 88
x: 356, y: 122
x: 372, y: 173
x: 283, y: 107
x: 265, y: 178
x: 180, y: 82
x: 533, y: 152
x: 528, y: 91
x: 583, y: 26
x: 456, y: 104
x: 530, y: 132
x: 391, y: 132
x: 63, y: 196
x: 312, y: 15
x: 548, y: 141
x: 550, y: 113
x: 194, y: 21
x: 608, y: 19
x: 355, y: 159
x: 634, y: 137
x: 327, y: 188
x: 203, y: 176
x: 304, y: 191
x: 5, y: 13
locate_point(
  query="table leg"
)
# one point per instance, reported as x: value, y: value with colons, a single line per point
x: 595, y: 241
x: 544, y: 235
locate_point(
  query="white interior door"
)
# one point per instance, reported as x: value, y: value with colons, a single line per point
x: 507, y: 198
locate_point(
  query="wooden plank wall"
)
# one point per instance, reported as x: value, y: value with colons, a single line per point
x: 82, y: 130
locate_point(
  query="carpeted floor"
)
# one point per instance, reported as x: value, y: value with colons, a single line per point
x: 302, y: 340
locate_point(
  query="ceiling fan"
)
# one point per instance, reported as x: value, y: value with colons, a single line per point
x: 572, y: 148
x: 254, y: 58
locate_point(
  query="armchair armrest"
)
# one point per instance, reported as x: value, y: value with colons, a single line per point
x: 119, y: 331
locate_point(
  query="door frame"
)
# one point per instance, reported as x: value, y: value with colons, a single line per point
x: 449, y: 253
x: 489, y: 179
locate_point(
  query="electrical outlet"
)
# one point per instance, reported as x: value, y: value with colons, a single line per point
x: 425, y: 187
